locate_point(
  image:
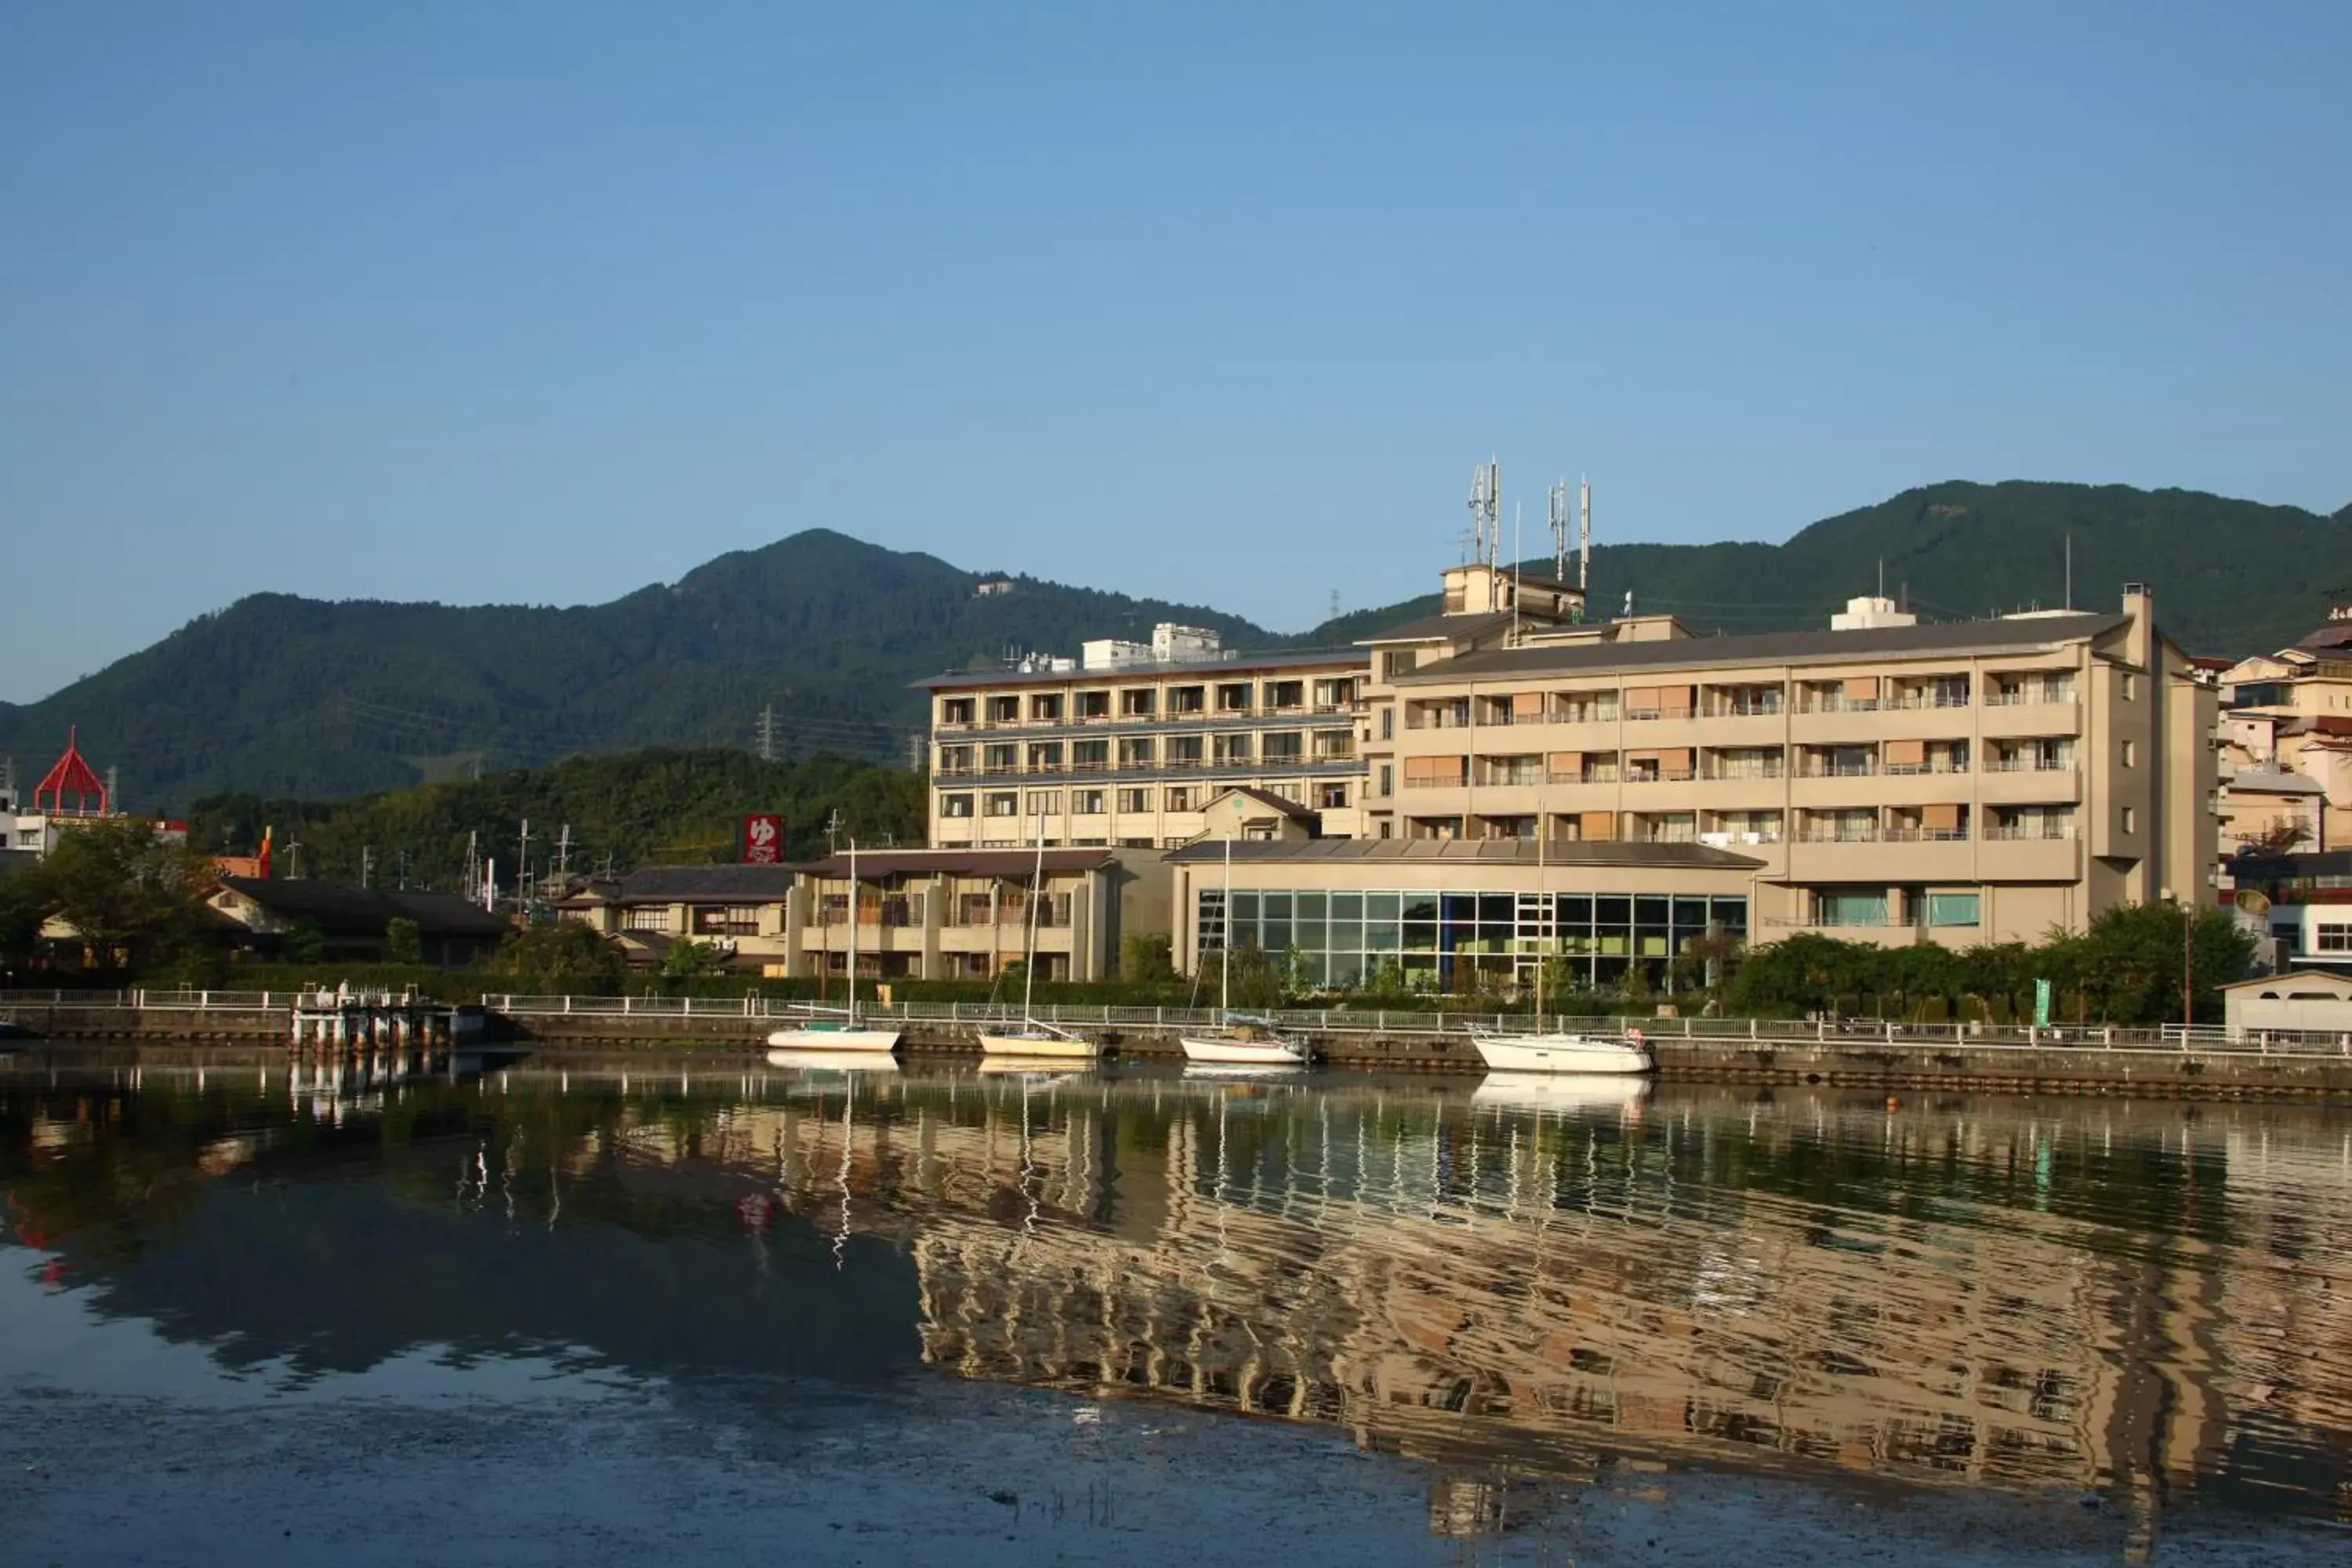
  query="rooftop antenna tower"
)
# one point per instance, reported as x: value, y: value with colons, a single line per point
x: 1518, y: 559
x: 1486, y: 513
x: 2070, y: 572
x: 1584, y: 536
x: 1558, y: 511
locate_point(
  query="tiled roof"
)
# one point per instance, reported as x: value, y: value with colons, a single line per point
x: 951, y: 862
x: 705, y: 885
x: 1954, y: 638
x: 346, y: 909
x: 1445, y: 628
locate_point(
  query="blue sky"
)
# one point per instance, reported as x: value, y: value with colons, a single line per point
x: 543, y: 302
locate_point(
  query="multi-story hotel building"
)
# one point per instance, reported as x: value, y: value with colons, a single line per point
x: 1511, y: 782
x: 1126, y: 746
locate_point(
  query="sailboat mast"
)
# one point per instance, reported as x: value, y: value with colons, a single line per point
x: 1225, y: 949
x: 1029, y: 958
x: 853, y: 932
x: 1543, y: 955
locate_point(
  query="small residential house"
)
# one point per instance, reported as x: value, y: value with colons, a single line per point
x: 2302, y: 1001
x: 353, y: 921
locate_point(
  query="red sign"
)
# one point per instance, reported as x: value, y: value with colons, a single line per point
x: 763, y: 840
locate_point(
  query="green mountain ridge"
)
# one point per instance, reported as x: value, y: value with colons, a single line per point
x: 285, y: 696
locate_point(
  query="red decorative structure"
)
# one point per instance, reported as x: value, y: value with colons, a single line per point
x: 72, y: 776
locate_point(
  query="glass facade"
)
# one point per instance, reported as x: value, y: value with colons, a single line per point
x: 1447, y: 939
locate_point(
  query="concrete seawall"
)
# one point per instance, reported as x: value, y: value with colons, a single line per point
x: 1849, y: 1062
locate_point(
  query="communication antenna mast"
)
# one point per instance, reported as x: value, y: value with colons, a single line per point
x: 1486, y: 513
x: 1558, y: 509
x: 765, y: 733
x: 564, y: 851
x: 1584, y: 536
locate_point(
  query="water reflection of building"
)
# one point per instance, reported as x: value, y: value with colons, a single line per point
x: 2008, y: 1294
x: 1530, y: 1293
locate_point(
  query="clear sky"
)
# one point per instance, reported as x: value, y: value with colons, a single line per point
x: 543, y: 302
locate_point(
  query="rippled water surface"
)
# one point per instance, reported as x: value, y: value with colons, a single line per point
x: 2144, y: 1309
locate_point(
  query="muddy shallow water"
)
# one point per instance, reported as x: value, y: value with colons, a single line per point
x: 600, y: 1311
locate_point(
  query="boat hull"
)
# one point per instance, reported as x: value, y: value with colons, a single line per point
x: 833, y: 1061
x: 1048, y: 1047
x: 1594, y: 1054
x: 1216, y: 1048
x: 1562, y: 1092
x: 834, y: 1038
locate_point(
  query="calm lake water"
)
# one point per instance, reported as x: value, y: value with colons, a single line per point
x: 940, y: 1314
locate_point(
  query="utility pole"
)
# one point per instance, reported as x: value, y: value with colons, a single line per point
x: 367, y: 863
x: 766, y: 733
x: 294, y: 853
x: 832, y: 829
x: 114, y: 787
x: 522, y: 868
x: 474, y: 864
x: 563, y: 852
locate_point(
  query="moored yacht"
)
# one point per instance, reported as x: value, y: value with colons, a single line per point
x: 840, y: 1032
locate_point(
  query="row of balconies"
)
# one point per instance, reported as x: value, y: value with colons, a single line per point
x: 1643, y: 704
x: 981, y: 719
x: 1278, y: 765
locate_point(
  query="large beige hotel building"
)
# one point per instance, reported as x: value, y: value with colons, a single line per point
x: 1461, y: 794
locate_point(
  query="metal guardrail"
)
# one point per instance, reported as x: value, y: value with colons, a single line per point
x: 2171, y: 1039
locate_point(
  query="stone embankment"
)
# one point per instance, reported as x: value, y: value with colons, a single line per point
x: 2071, y: 1061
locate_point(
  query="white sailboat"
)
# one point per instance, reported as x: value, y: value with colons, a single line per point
x: 1544, y: 1050
x: 1240, y: 1039
x: 1035, y: 1040
x: 843, y: 1033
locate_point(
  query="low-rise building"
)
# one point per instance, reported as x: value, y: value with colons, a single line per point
x: 2302, y: 1001
x: 947, y: 913
x: 353, y: 923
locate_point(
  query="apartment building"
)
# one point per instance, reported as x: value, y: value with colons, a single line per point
x: 1984, y: 781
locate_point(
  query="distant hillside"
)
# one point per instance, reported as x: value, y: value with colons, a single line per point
x: 2230, y: 576
x: 279, y: 695
x: 635, y: 809
x: 283, y: 696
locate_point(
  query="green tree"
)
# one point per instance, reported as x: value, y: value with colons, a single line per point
x: 304, y: 943
x: 403, y: 940
x: 1145, y: 958
x: 134, y: 900
x: 690, y: 960
x: 24, y: 901
x: 563, y: 955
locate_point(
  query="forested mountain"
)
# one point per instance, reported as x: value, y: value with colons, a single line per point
x: 279, y: 695
x: 635, y: 809
x: 2230, y: 576
x: 285, y: 696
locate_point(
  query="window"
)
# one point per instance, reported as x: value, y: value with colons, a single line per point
x: 1188, y: 699
x: 727, y: 920
x: 1180, y: 799
x: 1004, y: 710
x: 2131, y: 820
x: 650, y: 916
x: 2332, y: 938
x: 1233, y: 748
x: 1286, y: 748
x: 1087, y: 802
x: 1388, y: 784
x: 1952, y: 910
x: 1008, y: 804
x: 1849, y: 908
x: 2131, y: 754
x: 2131, y: 687
x: 955, y: 710
x: 1134, y: 800
x: 1331, y: 796
x: 1285, y: 693
x: 1388, y: 723
x: 1136, y: 753
x: 955, y: 759
x: 1139, y: 703
x: 955, y: 806
x: 1234, y: 698
x: 1001, y: 759
x: 1044, y: 800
